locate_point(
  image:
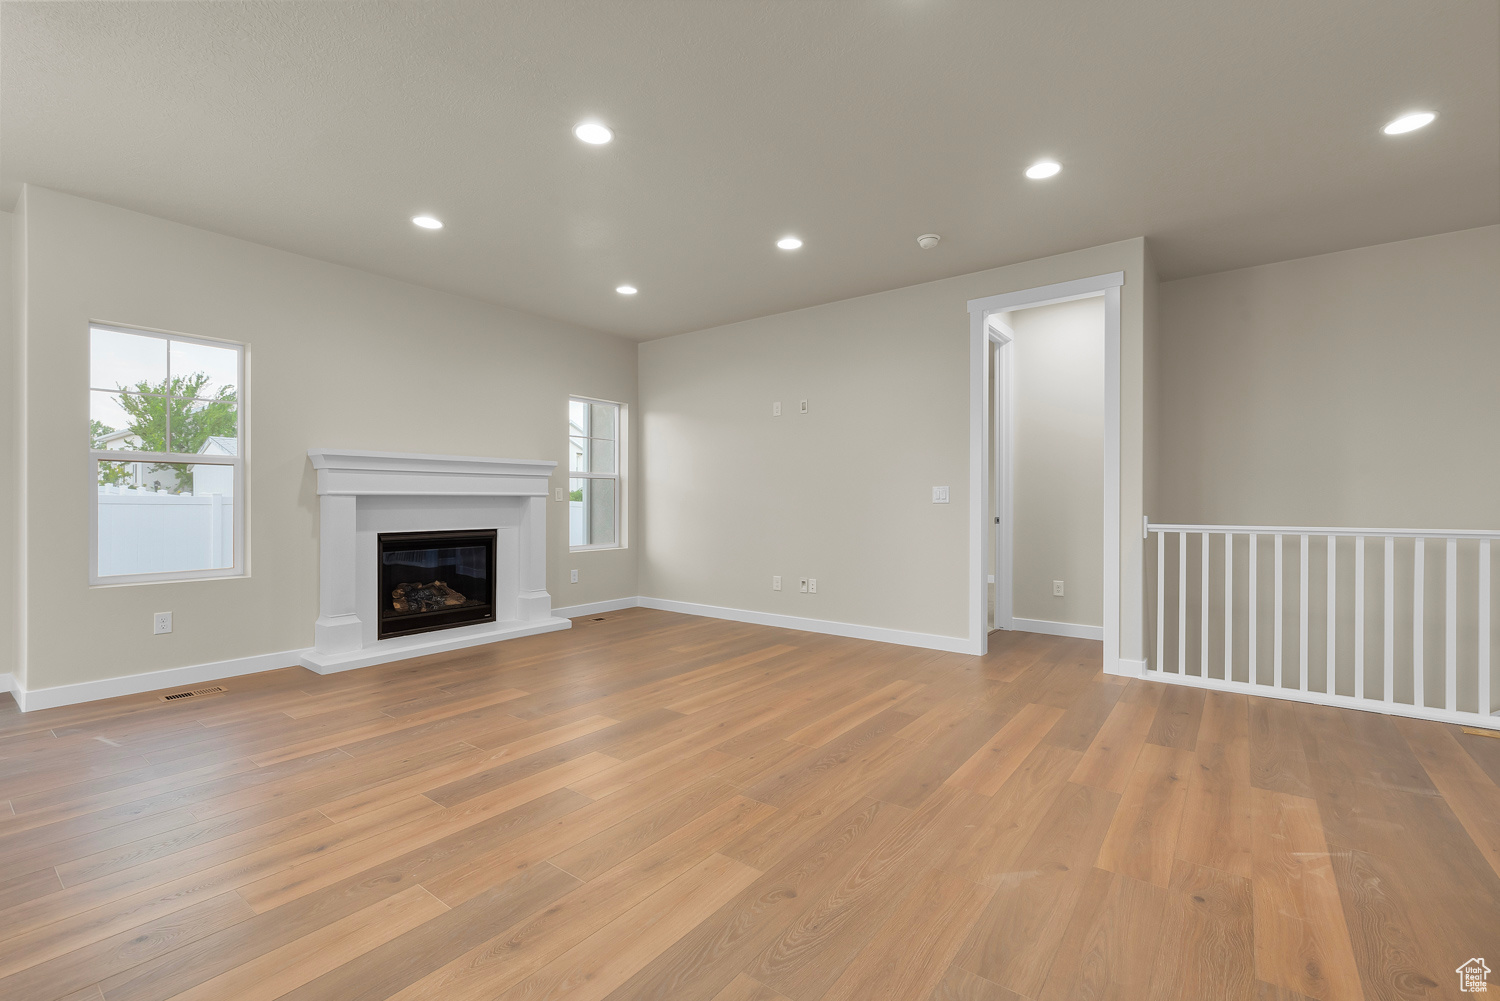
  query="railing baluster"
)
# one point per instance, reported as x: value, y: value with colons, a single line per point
x: 1276, y: 621
x: 1181, y: 603
x: 1390, y: 619
x: 1359, y: 616
x: 1329, y: 684
x: 1161, y: 599
x: 1418, y: 594
x: 1302, y: 635
x: 1450, y: 639
x: 1485, y: 707
x: 1228, y: 606
x: 1250, y: 678
x: 1203, y: 616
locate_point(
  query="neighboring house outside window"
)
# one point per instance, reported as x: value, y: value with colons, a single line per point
x: 595, y: 462
x: 167, y: 416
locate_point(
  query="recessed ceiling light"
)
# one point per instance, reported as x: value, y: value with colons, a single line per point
x: 427, y: 221
x: 1408, y: 123
x: 1042, y: 168
x: 625, y: 289
x: 593, y: 133
x: 788, y: 243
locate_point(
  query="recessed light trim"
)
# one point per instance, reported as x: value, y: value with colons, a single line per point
x: 1408, y: 123
x: 593, y: 133
x: 427, y: 221
x: 626, y: 289
x: 789, y: 243
x: 1043, y: 169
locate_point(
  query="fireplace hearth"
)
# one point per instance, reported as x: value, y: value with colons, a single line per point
x: 435, y: 580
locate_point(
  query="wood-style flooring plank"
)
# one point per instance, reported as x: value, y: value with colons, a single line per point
x: 1142, y: 839
x: 1111, y: 755
x: 1301, y: 940
x: 908, y: 956
x: 1206, y: 947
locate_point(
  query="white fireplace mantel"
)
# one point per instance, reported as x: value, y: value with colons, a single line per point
x: 362, y: 494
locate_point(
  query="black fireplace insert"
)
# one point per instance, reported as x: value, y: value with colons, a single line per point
x: 435, y: 580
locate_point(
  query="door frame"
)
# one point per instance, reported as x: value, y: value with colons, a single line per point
x: 980, y: 444
x: 1002, y: 440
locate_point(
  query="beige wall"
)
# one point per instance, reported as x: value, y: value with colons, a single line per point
x: 330, y: 350
x: 843, y: 493
x: 1058, y: 382
x: 1357, y: 388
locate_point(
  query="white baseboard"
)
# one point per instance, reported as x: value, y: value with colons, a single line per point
x: 196, y: 674
x: 1491, y: 722
x: 1073, y: 629
x: 930, y: 641
x: 1126, y: 668
x: 151, y: 681
x: 596, y: 607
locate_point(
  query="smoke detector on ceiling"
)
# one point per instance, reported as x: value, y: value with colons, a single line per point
x: 928, y: 240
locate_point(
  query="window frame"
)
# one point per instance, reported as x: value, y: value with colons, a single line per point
x: 618, y: 476
x: 239, y: 461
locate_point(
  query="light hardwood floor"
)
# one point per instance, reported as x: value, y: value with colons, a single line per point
x: 657, y: 806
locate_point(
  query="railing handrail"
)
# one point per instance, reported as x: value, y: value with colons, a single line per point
x: 1400, y: 533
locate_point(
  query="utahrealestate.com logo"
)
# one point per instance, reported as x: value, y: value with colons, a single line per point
x: 1472, y: 976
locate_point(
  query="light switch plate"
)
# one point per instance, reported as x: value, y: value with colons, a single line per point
x: 940, y: 495
x: 804, y: 406
x: 559, y: 493
x: 803, y: 587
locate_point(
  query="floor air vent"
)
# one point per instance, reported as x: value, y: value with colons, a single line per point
x: 177, y: 696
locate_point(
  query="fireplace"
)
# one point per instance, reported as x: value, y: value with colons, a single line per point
x: 435, y: 580
x: 373, y: 502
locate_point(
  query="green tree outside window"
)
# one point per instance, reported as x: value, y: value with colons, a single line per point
x: 193, y: 421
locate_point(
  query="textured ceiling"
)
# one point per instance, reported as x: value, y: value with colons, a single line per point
x: 1231, y: 133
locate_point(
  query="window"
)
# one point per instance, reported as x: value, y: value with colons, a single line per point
x: 165, y: 416
x: 594, y: 460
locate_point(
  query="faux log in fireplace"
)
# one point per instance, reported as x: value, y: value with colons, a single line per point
x: 435, y: 580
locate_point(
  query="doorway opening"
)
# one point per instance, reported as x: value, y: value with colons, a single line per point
x: 1046, y: 420
x: 1045, y: 462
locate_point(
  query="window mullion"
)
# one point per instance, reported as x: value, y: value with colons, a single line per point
x: 167, y: 401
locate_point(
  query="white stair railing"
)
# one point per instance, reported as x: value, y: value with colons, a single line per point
x: 1341, y: 640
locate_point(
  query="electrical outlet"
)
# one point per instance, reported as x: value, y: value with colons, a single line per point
x: 776, y: 409
x: 161, y: 622
x: 812, y: 585
x: 559, y: 493
x: 940, y: 495
x: 803, y: 588
x: 1057, y: 589
x: 804, y: 406
x: 575, y: 577
x: 776, y: 582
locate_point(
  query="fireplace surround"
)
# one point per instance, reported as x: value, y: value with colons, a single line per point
x: 498, y: 504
